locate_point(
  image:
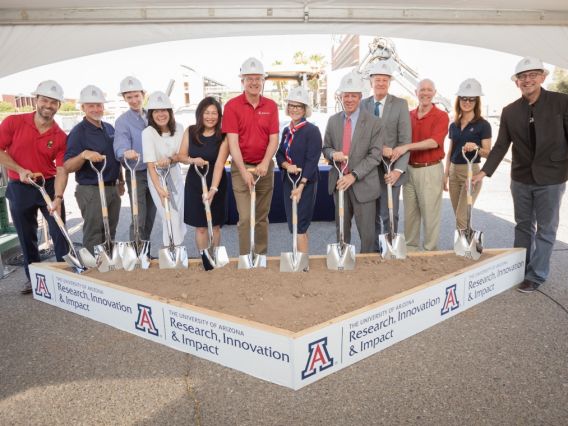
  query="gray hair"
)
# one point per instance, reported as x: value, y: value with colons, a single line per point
x: 425, y: 80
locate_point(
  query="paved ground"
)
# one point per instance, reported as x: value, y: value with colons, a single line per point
x: 501, y: 362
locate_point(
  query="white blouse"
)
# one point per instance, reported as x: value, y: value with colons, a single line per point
x: 156, y: 147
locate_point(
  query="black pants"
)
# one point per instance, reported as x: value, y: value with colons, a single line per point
x: 25, y: 200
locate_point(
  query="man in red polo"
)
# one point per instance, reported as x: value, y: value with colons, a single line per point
x: 422, y: 194
x: 251, y: 123
x: 34, y: 143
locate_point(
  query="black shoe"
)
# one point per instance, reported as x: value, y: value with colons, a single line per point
x: 152, y: 257
x: 527, y: 286
x: 26, y: 288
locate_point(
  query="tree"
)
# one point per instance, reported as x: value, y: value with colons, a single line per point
x: 317, y: 61
x: 559, y: 80
x: 68, y: 106
x: 6, y: 107
x: 300, y: 58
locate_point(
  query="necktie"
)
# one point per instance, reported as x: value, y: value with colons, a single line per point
x: 377, y: 109
x: 347, y: 138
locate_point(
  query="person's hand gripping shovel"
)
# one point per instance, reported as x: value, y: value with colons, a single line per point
x: 340, y: 256
x: 172, y: 256
x: 252, y: 259
x: 467, y: 242
x: 72, y: 258
x: 294, y: 261
x: 391, y: 244
x: 212, y: 257
x: 134, y: 254
x: 106, y: 253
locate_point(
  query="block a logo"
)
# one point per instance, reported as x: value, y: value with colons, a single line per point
x: 318, y: 358
x: 451, y: 301
x: 145, y: 322
x: 41, y: 287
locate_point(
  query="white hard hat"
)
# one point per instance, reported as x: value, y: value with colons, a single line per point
x: 159, y: 100
x: 130, y: 84
x: 92, y: 95
x: 352, y: 82
x: 527, y: 64
x: 470, y: 87
x: 50, y: 89
x: 301, y: 95
x: 252, y: 66
x: 384, y: 67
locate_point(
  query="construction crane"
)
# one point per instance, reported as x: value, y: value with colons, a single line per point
x: 383, y: 49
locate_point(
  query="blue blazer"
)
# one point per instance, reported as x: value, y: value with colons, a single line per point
x: 305, y: 151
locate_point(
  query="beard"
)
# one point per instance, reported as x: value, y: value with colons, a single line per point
x: 46, y: 113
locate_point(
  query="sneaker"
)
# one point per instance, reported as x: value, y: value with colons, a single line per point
x: 26, y: 288
x: 527, y: 286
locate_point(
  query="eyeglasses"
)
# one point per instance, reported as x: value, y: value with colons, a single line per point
x: 468, y: 99
x: 528, y: 76
x: 295, y: 106
x: 254, y: 79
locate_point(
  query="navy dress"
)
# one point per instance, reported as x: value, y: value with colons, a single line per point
x: 194, y: 210
x: 305, y: 153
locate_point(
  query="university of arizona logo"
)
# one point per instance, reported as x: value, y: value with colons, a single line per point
x: 318, y: 358
x: 145, y: 322
x: 41, y: 287
x: 451, y: 302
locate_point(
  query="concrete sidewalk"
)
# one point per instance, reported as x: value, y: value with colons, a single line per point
x: 502, y: 362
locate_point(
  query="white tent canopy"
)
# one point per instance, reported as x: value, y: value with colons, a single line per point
x: 32, y: 34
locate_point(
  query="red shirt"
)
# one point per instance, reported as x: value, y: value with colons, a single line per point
x: 253, y: 125
x: 433, y: 125
x: 20, y: 138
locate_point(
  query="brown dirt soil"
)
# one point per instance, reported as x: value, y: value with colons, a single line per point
x: 291, y: 301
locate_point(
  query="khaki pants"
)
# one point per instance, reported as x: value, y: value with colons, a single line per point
x: 458, y: 192
x: 422, y: 197
x: 264, y: 189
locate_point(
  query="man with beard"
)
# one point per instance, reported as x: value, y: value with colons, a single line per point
x: 92, y: 140
x: 34, y: 143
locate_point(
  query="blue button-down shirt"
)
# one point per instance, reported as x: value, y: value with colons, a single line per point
x: 86, y: 135
x: 128, y: 135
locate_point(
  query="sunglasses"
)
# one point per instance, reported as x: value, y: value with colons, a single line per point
x: 468, y: 99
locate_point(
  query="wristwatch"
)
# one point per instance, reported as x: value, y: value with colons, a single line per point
x: 355, y: 175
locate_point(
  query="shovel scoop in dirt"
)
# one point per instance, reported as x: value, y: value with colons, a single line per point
x: 340, y: 256
x: 212, y: 257
x: 252, y: 259
x: 391, y: 244
x: 468, y: 242
x: 294, y: 261
x: 108, y: 258
x: 172, y: 256
x: 72, y: 258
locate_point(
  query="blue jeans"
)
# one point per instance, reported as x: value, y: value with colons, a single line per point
x: 537, y: 214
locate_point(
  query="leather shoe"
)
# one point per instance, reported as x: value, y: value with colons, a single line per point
x: 527, y: 286
x: 26, y: 288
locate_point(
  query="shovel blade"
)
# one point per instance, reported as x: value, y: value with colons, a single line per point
x: 214, y: 258
x: 87, y: 258
x: 144, y: 254
x: 252, y: 260
x: 127, y: 253
x: 340, y: 258
x: 392, y: 249
x: 105, y: 262
x: 74, y: 262
x: 175, y: 258
x: 291, y: 263
x: 468, y: 244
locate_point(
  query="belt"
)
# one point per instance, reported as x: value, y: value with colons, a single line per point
x: 113, y: 183
x: 418, y: 165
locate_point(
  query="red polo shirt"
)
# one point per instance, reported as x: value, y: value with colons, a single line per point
x: 253, y: 125
x: 20, y: 138
x: 433, y: 125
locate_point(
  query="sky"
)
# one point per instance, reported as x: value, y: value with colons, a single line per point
x: 220, y: 58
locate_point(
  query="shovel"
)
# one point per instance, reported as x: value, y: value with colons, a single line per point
x: 467, y: 242
x: 72, y: 258
x: 171, y: 257
x: 294, y: 261
x: 134, y: 254
x: 252, y: 260
x: 391, y: 245
x: 340, y: 256
x: 212, y: 257
x: 106, y: 253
